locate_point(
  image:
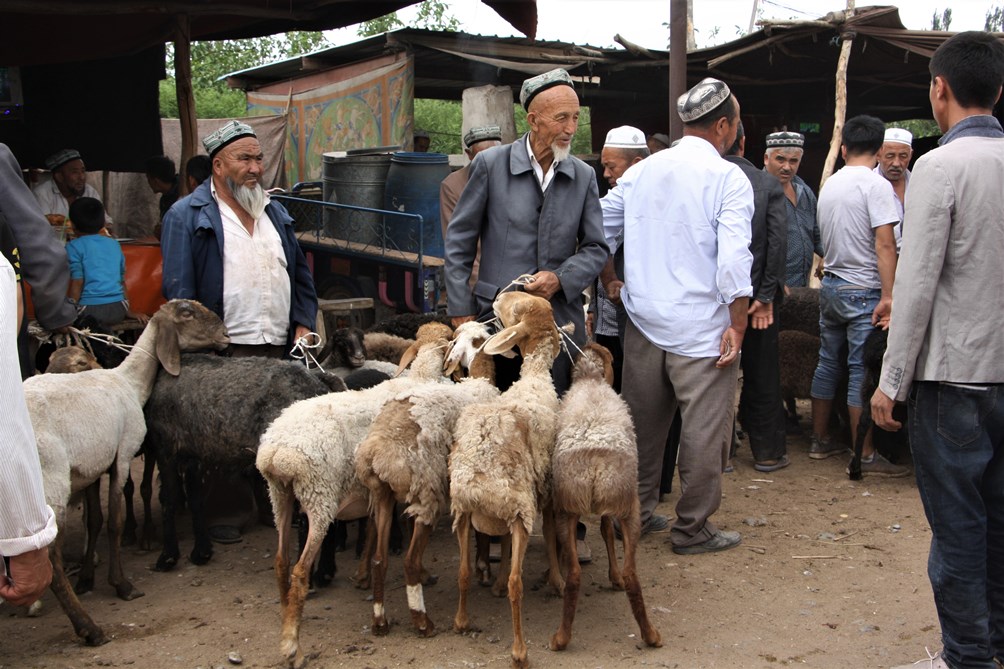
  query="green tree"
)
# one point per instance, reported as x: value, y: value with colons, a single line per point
x: 995, y: 20
x: 941, y: 21
x: 213, y: 59
x: 432, y: 15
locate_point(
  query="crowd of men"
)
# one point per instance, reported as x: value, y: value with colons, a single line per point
x: 694, y: 247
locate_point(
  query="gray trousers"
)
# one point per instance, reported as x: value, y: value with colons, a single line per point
x: 655, y: 384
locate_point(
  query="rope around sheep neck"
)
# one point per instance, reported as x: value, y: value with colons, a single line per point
x: 303, y: 347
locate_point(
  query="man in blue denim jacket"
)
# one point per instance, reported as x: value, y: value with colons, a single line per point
x: 946, y: 346
x: 857, y: 211
x: 235, y: 251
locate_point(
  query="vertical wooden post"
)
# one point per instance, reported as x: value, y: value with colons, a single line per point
x: 677, y: 63
x: 840, y: 102
x: 186, y: 96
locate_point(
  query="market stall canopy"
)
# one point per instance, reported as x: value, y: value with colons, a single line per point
x: 60, y: 31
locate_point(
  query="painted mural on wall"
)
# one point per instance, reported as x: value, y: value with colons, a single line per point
x: 372, y: 109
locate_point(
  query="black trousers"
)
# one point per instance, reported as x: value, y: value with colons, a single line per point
x: 761, y: 411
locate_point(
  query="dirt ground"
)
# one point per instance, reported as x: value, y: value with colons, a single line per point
x: 831, y: 573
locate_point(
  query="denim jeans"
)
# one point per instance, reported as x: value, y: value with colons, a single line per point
x: 845, y: 321
x: 957, y: 439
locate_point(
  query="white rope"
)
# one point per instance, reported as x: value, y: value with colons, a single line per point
x: 303, y: 347
x: 564, y: 346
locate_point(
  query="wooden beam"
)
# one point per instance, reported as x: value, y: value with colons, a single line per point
x: 186, y: 96
x: 677, y: 63
x: 76, y: 8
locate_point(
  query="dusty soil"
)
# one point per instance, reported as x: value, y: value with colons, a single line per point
x: 831, y: 573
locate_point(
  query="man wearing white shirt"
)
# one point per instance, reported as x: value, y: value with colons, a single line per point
x: 69, y: 182
x: 685, y: 215
x: 893, y: 164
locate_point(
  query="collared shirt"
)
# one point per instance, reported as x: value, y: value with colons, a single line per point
x: 256, y: 290
x: 605, y: 322
x: 685, y: 215
x: 26, y: 523
x: 543, y: 179
x: 52, y: 201
x: 898, y: 228
x: 803, y: 235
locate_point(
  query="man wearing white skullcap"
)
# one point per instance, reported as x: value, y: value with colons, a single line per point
x: 893, y: 161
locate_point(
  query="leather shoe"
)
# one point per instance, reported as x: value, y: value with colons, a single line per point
x: 655, y: 524
x: 723, y: 540
x: 772, y: 465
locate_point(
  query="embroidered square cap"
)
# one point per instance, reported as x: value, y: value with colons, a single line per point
x: 60, y: 158
x: 702, y: 99
x: 534, y: 85
x: 899, y: 135
x: 229, y: 133
x: 777, y: 140
x: 482, y: 134
x: 625, y: 137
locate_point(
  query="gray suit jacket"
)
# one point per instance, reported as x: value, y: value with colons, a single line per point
x: 523, y: 231
x: 43, y: 258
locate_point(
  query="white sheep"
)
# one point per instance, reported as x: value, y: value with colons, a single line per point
x: 92, y: 422
x: 595, y: 471
x: 500, y: 467
x: 404, y: 458
x: 308, y: 455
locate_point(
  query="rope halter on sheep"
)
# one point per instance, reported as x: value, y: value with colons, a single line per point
x: 303, y: 347
x: 566, y: 338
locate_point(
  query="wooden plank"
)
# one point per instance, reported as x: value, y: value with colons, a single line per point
x: 345, y: 305
x: 376, y: 252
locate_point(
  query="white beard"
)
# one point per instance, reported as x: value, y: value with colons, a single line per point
x: 560, y: 153
x: 251, y: 199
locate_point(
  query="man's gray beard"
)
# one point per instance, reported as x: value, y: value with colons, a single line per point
x: 251, y: 199
x: 560, y: 153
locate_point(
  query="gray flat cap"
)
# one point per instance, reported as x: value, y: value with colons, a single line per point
x: 482, y: 134
x: 230, y: 132
x: 534, y: 85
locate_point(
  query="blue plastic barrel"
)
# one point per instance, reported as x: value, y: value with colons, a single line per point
x: 413, y: 187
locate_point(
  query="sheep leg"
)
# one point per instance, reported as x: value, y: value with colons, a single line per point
x: 202, y: 551
x: 864, y: 427
x: 415, y: 575
x: 282, y: 510
x: 482, y: 564
x: 519, y: 542
x: 609, y: 539
x: 148, y: 538
x: 363, y: 578
x: 83, y: 625
x: 567, y: 523
x: 501, y: 585
x: 463, y: 527
x: 383, y: 507
x: 289, y: 644
x: 129, y: 526
x: 116, y: 577
x: 326, y: 567
x: 169, y: 485
x: 551, y: 544
x: 93, y: 520
x: 631, y: 528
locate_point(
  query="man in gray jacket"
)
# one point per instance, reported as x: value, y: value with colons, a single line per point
x: 946, y: 345
x: 535, y: 209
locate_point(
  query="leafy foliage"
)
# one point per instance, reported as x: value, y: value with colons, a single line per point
x: 918, y: 127
x: 212, y: 60
x: 942, y: 21
x: 432, y: 15
x: 995, y: 20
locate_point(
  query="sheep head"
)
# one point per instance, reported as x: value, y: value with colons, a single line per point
x: 436, y: 333
x: 528, y: 323
x: 186, y: 325
x: 71, y: 359
x: 464, y: 352
x: 349, y: 342
x: 595, y: 362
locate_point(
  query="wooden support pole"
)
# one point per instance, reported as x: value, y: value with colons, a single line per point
x: 186, y: 96
x: 840, y: 99
x: 677, y: 63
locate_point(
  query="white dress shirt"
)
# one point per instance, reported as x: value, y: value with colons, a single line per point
x: 685, y: 214
x: 256, y: 290
x: 26, y: 523
x: 543, y: 179
x: 52, y: 201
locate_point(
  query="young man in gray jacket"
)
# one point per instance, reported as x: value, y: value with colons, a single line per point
x: 946, y: 343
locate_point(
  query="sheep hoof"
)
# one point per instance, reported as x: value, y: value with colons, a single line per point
x: 84, y: 585
x: 381, y: 628
x: 200, y: 557
x: 558, y: 643
x: 429, y: 579
x: 428, y: 630
x: 166, y: 562
x: 127, y: 592
x: 520, y: 662
x: 654, y: 640
x: 93, y: 636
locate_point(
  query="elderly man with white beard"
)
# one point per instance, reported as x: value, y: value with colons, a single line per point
x: 230, y: 247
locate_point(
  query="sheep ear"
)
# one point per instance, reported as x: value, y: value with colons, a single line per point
x: 408, y: 358
x: 451, y: 362
x: 168, y: 350
x: 504, y: 341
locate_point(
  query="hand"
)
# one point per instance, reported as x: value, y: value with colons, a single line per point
x: 787, y: 291
x: 613, y: 290
x: 139, y: 316
x: 545, y: 284
x: 732, y: 341
x: 457, y: 321
x: 300, y: 332
x: 590, y: 317
x: 30, y: 575
x: 819, y: 271
x: 761, y: 314
x: 882, y: 313
x: 882, y: 406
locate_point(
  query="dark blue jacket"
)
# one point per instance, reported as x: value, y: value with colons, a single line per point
x: 192, y: 245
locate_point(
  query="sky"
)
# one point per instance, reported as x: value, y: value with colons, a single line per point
x: 595, y: 22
